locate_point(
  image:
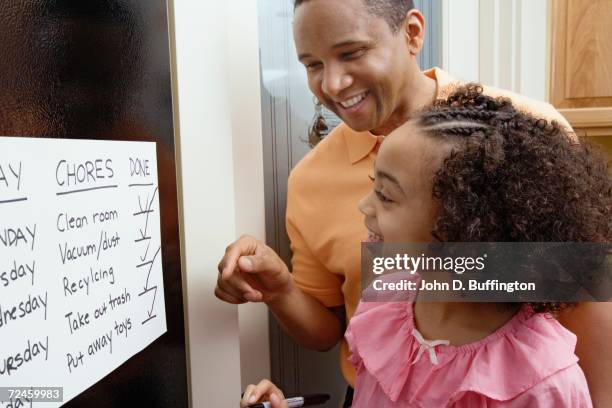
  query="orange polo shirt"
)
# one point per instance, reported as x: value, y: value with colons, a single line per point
x: 323, y: 222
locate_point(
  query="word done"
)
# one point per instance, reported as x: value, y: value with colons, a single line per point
x: 139, y: 167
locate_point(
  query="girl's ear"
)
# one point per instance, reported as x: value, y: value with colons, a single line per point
x: 414, y: 30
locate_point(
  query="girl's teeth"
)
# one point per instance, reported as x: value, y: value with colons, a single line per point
x: 372, y: 237
x: 353, y: 101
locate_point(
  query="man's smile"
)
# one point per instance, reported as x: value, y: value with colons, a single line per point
x: 353, y: 101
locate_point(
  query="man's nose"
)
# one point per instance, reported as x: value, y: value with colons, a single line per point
x: 335, y: 80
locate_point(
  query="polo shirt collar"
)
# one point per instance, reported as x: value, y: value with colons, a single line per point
x: 360, y: 144
x: 442, y: 78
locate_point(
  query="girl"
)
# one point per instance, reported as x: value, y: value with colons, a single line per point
x: 472, y: 168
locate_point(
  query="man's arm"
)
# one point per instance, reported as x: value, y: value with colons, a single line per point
x: 591, y: 322
x: 307, y: 321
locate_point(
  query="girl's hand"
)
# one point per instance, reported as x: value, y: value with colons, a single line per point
x: 264, y: 391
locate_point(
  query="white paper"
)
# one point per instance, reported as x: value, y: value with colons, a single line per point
x: 81, y: 282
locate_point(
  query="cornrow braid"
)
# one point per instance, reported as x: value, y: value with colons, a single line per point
x: 458, y: 126
x: 459, y: 114
x: 468, y: 104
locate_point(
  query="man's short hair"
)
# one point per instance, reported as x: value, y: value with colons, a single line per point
x: 393, y: 11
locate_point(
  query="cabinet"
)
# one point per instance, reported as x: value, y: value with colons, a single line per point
x: 581, y: 65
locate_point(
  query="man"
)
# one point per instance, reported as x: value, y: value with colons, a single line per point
x: 360, y: 57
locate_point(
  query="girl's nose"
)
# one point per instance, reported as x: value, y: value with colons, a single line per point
x: 365, y: 205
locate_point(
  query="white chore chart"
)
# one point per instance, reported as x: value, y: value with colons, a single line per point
x: 81, y: 281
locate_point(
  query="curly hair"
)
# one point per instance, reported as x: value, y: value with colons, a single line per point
x: 511, y: 177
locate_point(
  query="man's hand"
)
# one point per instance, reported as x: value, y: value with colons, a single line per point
x: 250, y: 271
x: 264, y: 391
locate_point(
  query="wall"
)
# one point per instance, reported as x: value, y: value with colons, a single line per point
x: 217, y: 108
x: 460, y: 31
x: 245, y: 102
x: 503, y: 43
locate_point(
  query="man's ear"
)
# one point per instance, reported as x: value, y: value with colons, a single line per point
x: 414, y: 30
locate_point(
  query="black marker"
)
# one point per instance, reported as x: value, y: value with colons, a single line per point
x: 296, y: 402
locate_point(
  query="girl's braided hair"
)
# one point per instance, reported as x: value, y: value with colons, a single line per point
x: 511, y: 177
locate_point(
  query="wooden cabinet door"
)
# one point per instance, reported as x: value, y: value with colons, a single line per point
x: 581, y: 69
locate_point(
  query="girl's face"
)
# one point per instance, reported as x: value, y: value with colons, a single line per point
x: 401, y: 207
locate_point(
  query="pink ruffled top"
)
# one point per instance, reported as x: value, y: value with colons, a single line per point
x: 528, y: 362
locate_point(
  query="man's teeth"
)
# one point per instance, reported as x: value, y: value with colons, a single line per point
x: 353, y: 101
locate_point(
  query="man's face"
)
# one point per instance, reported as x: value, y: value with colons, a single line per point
x: 356, y: 65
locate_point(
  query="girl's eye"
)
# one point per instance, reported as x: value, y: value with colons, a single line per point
x: 381, y: 197
x: 371, y: 178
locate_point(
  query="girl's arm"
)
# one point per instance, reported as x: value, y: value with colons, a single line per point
x: 591, y: 322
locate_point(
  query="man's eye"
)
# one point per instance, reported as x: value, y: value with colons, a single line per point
x: 381, y: 197
x: 353, y: 54
x: 313, y: 66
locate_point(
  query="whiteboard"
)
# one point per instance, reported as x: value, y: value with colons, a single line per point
x: 81, y: 280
